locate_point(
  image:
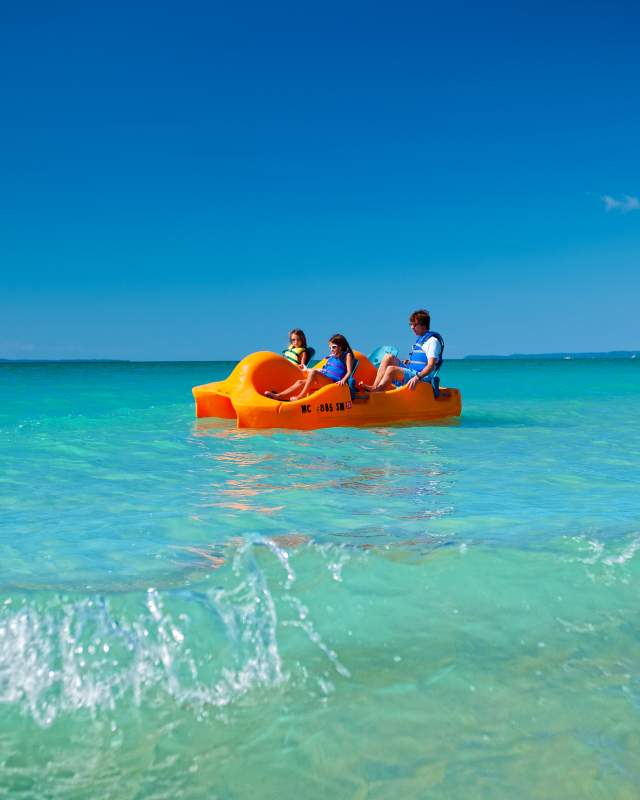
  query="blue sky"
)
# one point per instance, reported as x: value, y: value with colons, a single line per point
x: 189, y: 181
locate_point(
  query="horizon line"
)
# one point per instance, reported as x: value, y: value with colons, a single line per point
x: 471, y: 356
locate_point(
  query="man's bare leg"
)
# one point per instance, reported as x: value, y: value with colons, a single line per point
x: 387, y: 361
x: 391, y: 374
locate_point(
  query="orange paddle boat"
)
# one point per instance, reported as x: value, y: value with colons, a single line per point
x: 241, y: 397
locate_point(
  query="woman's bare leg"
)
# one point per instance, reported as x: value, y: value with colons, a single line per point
x: 312, y: 380
x: 285, y: 394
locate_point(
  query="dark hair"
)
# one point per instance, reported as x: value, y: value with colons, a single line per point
x: 421, y: 317
x: 299, y: 332
x: 342, y: 343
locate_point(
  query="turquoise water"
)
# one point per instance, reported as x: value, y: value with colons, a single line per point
x: 192, y: 611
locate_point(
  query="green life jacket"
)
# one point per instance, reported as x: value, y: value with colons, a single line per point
x: 294, y: 354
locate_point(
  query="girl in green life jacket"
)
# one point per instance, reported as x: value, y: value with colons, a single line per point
x: 297, y: 352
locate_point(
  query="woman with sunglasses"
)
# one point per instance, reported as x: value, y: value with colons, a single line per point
x: 337, y: 369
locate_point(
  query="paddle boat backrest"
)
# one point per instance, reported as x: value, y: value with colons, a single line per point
x: 376, y: 356
x: 435, y: 380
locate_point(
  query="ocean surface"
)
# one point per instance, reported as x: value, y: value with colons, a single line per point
x: 442, y: 611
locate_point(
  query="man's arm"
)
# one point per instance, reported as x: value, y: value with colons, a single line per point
x: 413, y: 382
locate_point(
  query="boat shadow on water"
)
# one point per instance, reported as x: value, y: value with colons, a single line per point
x: 222, y: 428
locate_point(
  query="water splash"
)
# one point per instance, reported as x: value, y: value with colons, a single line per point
x: 304, y: 623
x: 201, y: 648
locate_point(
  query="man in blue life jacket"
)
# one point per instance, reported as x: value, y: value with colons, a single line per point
x: 425, y: 358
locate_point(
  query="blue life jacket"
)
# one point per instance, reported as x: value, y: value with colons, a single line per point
x: 418, y: 358
x: 336, y: 367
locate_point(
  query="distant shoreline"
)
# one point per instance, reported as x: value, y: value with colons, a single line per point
x: 559, y: 356
x: 612, y: 354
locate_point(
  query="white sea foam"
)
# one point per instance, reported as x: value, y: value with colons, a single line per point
x: 626, y: 555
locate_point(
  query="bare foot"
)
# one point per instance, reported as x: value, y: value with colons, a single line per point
x: 366, y: 387
x: 272, y: 395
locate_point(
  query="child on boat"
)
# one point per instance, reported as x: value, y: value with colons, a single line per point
x: 298, y: 352
x: 339, y: 366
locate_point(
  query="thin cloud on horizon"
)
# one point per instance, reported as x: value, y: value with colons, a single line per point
x: 625, y: 204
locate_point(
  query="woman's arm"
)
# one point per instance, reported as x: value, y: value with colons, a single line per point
x: 349, y: 363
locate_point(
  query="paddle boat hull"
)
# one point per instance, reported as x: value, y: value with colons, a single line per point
x: 241, y: 397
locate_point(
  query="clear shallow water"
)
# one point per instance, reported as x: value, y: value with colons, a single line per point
x: 187, y: 610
